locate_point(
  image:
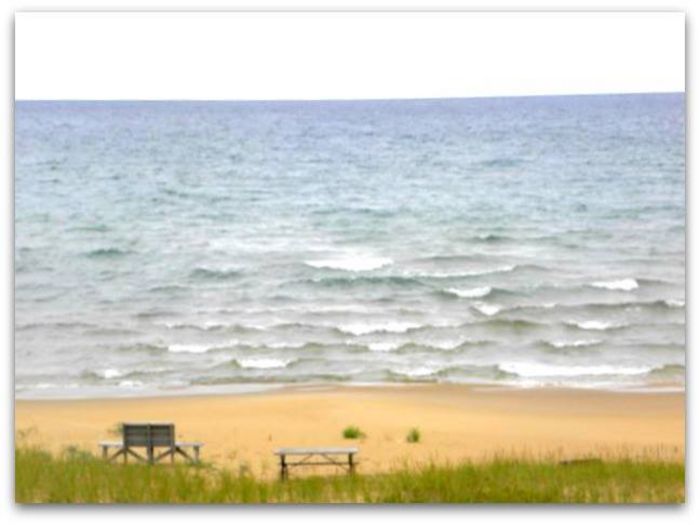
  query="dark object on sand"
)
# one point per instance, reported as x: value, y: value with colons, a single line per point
x: 317, y: 456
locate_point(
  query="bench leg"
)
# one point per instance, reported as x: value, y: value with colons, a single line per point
x: 351, y: 464
x: 196, y: 454
x: 105, y: 452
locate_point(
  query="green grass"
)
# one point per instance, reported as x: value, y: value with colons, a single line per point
x: 353, y: 432
x: 79, y: 477
x: 413, y: 436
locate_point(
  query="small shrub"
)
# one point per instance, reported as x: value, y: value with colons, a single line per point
x: 116, y: 430
x: 353, y: 432
x: 413, y: 436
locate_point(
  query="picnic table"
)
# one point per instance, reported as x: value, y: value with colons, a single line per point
x: 343, y: 457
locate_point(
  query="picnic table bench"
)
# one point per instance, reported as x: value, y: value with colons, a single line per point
x: 150, y: 436
x: 311, y: 456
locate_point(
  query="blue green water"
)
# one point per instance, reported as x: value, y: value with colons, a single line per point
x: 177, y: 246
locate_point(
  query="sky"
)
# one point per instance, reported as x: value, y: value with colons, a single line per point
x: 341, y: 55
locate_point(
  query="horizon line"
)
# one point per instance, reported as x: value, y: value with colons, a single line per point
x: 341, y: 99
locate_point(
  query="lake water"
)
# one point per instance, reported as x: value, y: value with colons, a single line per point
x: 185, y: 246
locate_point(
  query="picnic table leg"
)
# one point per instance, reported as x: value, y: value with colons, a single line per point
x: 172, y: 455
x: 105, y: 453
x: 351, y: 464
x: 283, y: 468
x: 150, y: 456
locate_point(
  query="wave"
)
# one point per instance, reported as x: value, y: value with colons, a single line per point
x: 492, y: 238
x: 654, y: 304
x: 106, y: 253
x: 168, y: 288
x: 352, y: 263
x: 669, y: 370
x: 415, y: 372
x: 107, y: 373
x: 214, y: 274
x: 206, y: 326
x: 469, y: 293
x: 393, y: 327
x: 595, y: 325
x: 516, y: 324
x: 528, y: 369
x: 199, y: 348
x: 578, y: 343
x: 675, y: 303
x: 263, y: 362
x: 384, y: 347
x: 626, y: 285
x: 57, y: 324
x: 99, y: 228
x: 366, y: 280
x: 487, y: 309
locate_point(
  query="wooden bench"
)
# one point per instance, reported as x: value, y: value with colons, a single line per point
x: 150, y: 436
x: 316, y: 456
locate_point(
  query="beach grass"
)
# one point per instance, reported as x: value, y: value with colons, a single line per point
x: 76, y: 476
x: 353, y: 432
x: 413, y: 436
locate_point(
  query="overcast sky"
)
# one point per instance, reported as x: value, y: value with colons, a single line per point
x: 254, y: 56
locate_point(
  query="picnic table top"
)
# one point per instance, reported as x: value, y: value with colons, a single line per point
x: 291, y: 451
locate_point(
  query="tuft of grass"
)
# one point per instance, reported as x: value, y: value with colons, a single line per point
x: 116, y: 430
x: 77, y: 477
x: 413, y: 436
x: 353, y: 432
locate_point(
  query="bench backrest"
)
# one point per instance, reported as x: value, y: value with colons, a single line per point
x: 149, y: 434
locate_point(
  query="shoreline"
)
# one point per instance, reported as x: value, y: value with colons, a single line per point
x: 262, y: 388
x: 456, y: 423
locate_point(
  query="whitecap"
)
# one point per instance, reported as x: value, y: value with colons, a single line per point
x: 675, y: 303
x: 263, y: 362
x: 470, y: 293
x: 525, y: 369
x: 487, y: 309
x: 189, y: 348
x: 282, y: 344
x: 198, y: 348
x: 575, y: 344
x: 594, y: 325
x: 421, y: 371
x: 111, y: 373
x: 352, y: 263
x: 207, y: 325
x: 384, y: 346
x: 396, y: 327
x: 626, y: 285
x: 127, y: 383
x: 461, y: 273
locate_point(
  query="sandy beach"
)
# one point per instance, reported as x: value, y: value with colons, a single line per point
x: 456, y: 422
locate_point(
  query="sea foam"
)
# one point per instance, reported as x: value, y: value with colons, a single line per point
x: 263, y: 362
x: 487, y: 309
x: 394, y: 327
x: 626, y: 285
x: 351, y: 263
x: 594, y: 325
x: 470, y: 293
x: 525, y: 369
